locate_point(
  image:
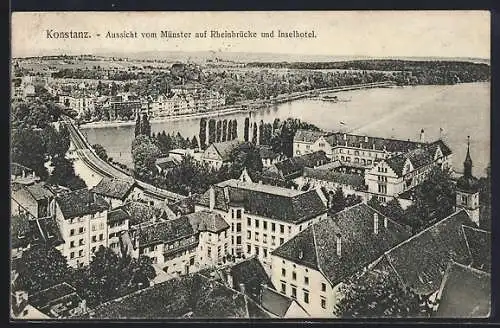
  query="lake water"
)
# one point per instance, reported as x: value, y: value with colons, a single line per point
x: 399, y: 112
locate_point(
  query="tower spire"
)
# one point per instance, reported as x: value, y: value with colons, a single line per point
x: 468, y: 161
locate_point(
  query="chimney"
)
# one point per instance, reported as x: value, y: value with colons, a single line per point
x: 366, y: 139
x: 375, y: 223
x: 211, y: 193
x: 301, y: 255
x: 242, y: 288
x: 373, y: 146
x: 422, y: 136
x: 339, y: 244
x: 385, y: 222
x: 83, y: 305
x: 345, y: 136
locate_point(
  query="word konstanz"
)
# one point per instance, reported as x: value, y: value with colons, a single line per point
x: 51, y: 34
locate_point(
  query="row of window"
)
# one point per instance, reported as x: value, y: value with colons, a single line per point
x: 80, y: 231
x: 305, y: 294
x: 264, y: 238
x: 382, y: 169
x: 82, y: 219
x: 265, y: 225
x: 257, y: 250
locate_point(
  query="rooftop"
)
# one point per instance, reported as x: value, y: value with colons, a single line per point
x: 465, y: 293
x: 57, y: 301
x: 164, y: 231
x: 207, y: 221
x: 316, y: 247
x: 268, y: 201
x: 479, y: 244
x: 225, y: 148
x: 354, y: 180
x: 118, y: 215
x: 114, y: 188
x: 81, y: 202
x: 292, y: 167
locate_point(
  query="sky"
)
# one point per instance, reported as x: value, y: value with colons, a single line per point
x: 338, y: 33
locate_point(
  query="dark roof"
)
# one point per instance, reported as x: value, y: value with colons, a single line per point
x: 207, y: 221
x: 167, y: 162
x: 49, y: 230
x: 421, y: 261
x: 140, y: 212
x: 442, y: 145
x: 307, y: 135
x: 292, y: 168
x: 251, y: 273
x: 274, y: 302
x: 465, y: 293
x: 418, y: 157
x: 479, y: 243
x: 267, y: 201
x: 39, y: 191
x: 20, y: 231
x: 114, y: 188
x: 192, y: 296
x: 316, y: 246
x: 57, y: 301
x: 354, y: 180
x: 225, y: 148
x: 117, y: 215
x: 184, y: 206
x: 81, y: 202
x: 266, y: 152
x: 468, y: 184
x: 164, y: 231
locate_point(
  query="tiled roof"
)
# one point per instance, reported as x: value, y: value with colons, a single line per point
x: 442, y: 145
x: 225, y: 148
x: 117, y: 215
x: 114, y: 188
x: 164, y: 231
x: 166, y: 162
x: 421, y: 261
x: 57, y: 301
x: 465, y: 293
x: 81, y: 202
x: 354, y: 180
x: 366, y: 142
x: 307, y: 136
x: 292, y: 168
x: 49, y: 231
x: 316, y: 247
x: 274, y: 302
x: 418, y: 157
x: 140, y: 212
x: 39, y: 191
x: 479, y: 243
x: 468, y: 184
x: 267, y: 201
x: 190, y: 296
x: 184, y: 206
x: 251, y: 273
x: 207, y: 221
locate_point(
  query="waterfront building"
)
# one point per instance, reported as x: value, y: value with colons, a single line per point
x: 79, y: 102
x: 312, y: 266
x: 219, y: 153
x: 262, y: 217
x: 468, y: 189
x: 330, y: 179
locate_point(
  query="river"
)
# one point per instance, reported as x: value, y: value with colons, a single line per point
x: 399, y: 112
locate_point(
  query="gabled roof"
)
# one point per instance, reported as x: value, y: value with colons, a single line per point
x: 207, y: 221
x: 191, y: 296
x: 166, y: 162
x: 251, y: 273
x: 307, y: 135
x: 268, y: 201
x: 58, y: 301
x: 164, y: 232
x: 479, y: 244
x: 184, y: 206
x: 225, y: 148
x: 418, y: 157
x: 292, y: 168
x: 18, y: 169
x: 421, y: 261
x: 114, y: 188
x: 140, y: 212
x: 20, y: 231
x: 316, y: 247
x: 37, y: 190
x: 117, y: 215
x: 266, y: 152
x: 80, y: 202
x: 465, y: 293
x: 276, y: 303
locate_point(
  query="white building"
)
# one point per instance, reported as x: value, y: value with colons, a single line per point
x: 312, y: 266
x: 79, y: 103
x: 262, y: 217
x: 219, y: 153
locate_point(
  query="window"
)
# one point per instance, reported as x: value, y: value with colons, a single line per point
x: 306, y: 296
x: 249, y: 249
x: 249, y: 222
x: 81, y: 230
x: 209, y: 252
x: 265, y: 252
x: 93, y: 227
x: 101, y: 225
x: 283, y: 287
x: 249, y: 234
x: 72, y: 244
x: 264, y: 223
x: 273, y: 240
x: 232, y: 214
x: 94, y: 239
x: 232, y: 227
x: 238, y: 240
x: 80, y: 253
x: 257, y: 250
x: 72, y: 232
x: 93, y: 249
x: 282, y: 228
x: 300, y: 228
x: 101, y: 236
x: 191, y: 261
x: 294, y: 292
x: 264, y: 239
x: 256, y: 223
x: 289, y: 229
x: 283, y: 272
x: 306, y: 280
x: 273, y: 227
x: 282, y: 240
x: 81, y: 242
x: 294, y: 275
x: 323, y: 287
x: 256, y: 236
x: 72, y: 255
x: 238, y: 214
x: 238, y: 227
x: 323, y: 303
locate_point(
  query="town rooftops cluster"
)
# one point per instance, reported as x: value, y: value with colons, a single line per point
x: 115, y: 188
x: 59, y: 301
x: 340, y: 245
x: 268, y: 201
x: 81, y: 202
x: 31, y: 231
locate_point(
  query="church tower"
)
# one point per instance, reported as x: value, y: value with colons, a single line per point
x: 468, y: 190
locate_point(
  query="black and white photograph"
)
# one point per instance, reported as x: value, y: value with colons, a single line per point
x: 250, y: 165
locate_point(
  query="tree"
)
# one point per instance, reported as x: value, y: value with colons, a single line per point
x: 218, y: 131
x: 247, y: 129
x: 254, y: 134
x: 245, y: 156
x: 194, y: 143
x: 338, y: 201
x: 28, y: 149
x: 101, y: 152
x: 41, y: 267
x: 211, y: 131
x: 138, y: 125
x: 234, y: 132
x: 378, y: 295
x: 230, y: 130
x: 146, y: 126
x: 145, y: 152
x: 64, y: 174
x: 224, y: 130
x: 203, y: 133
